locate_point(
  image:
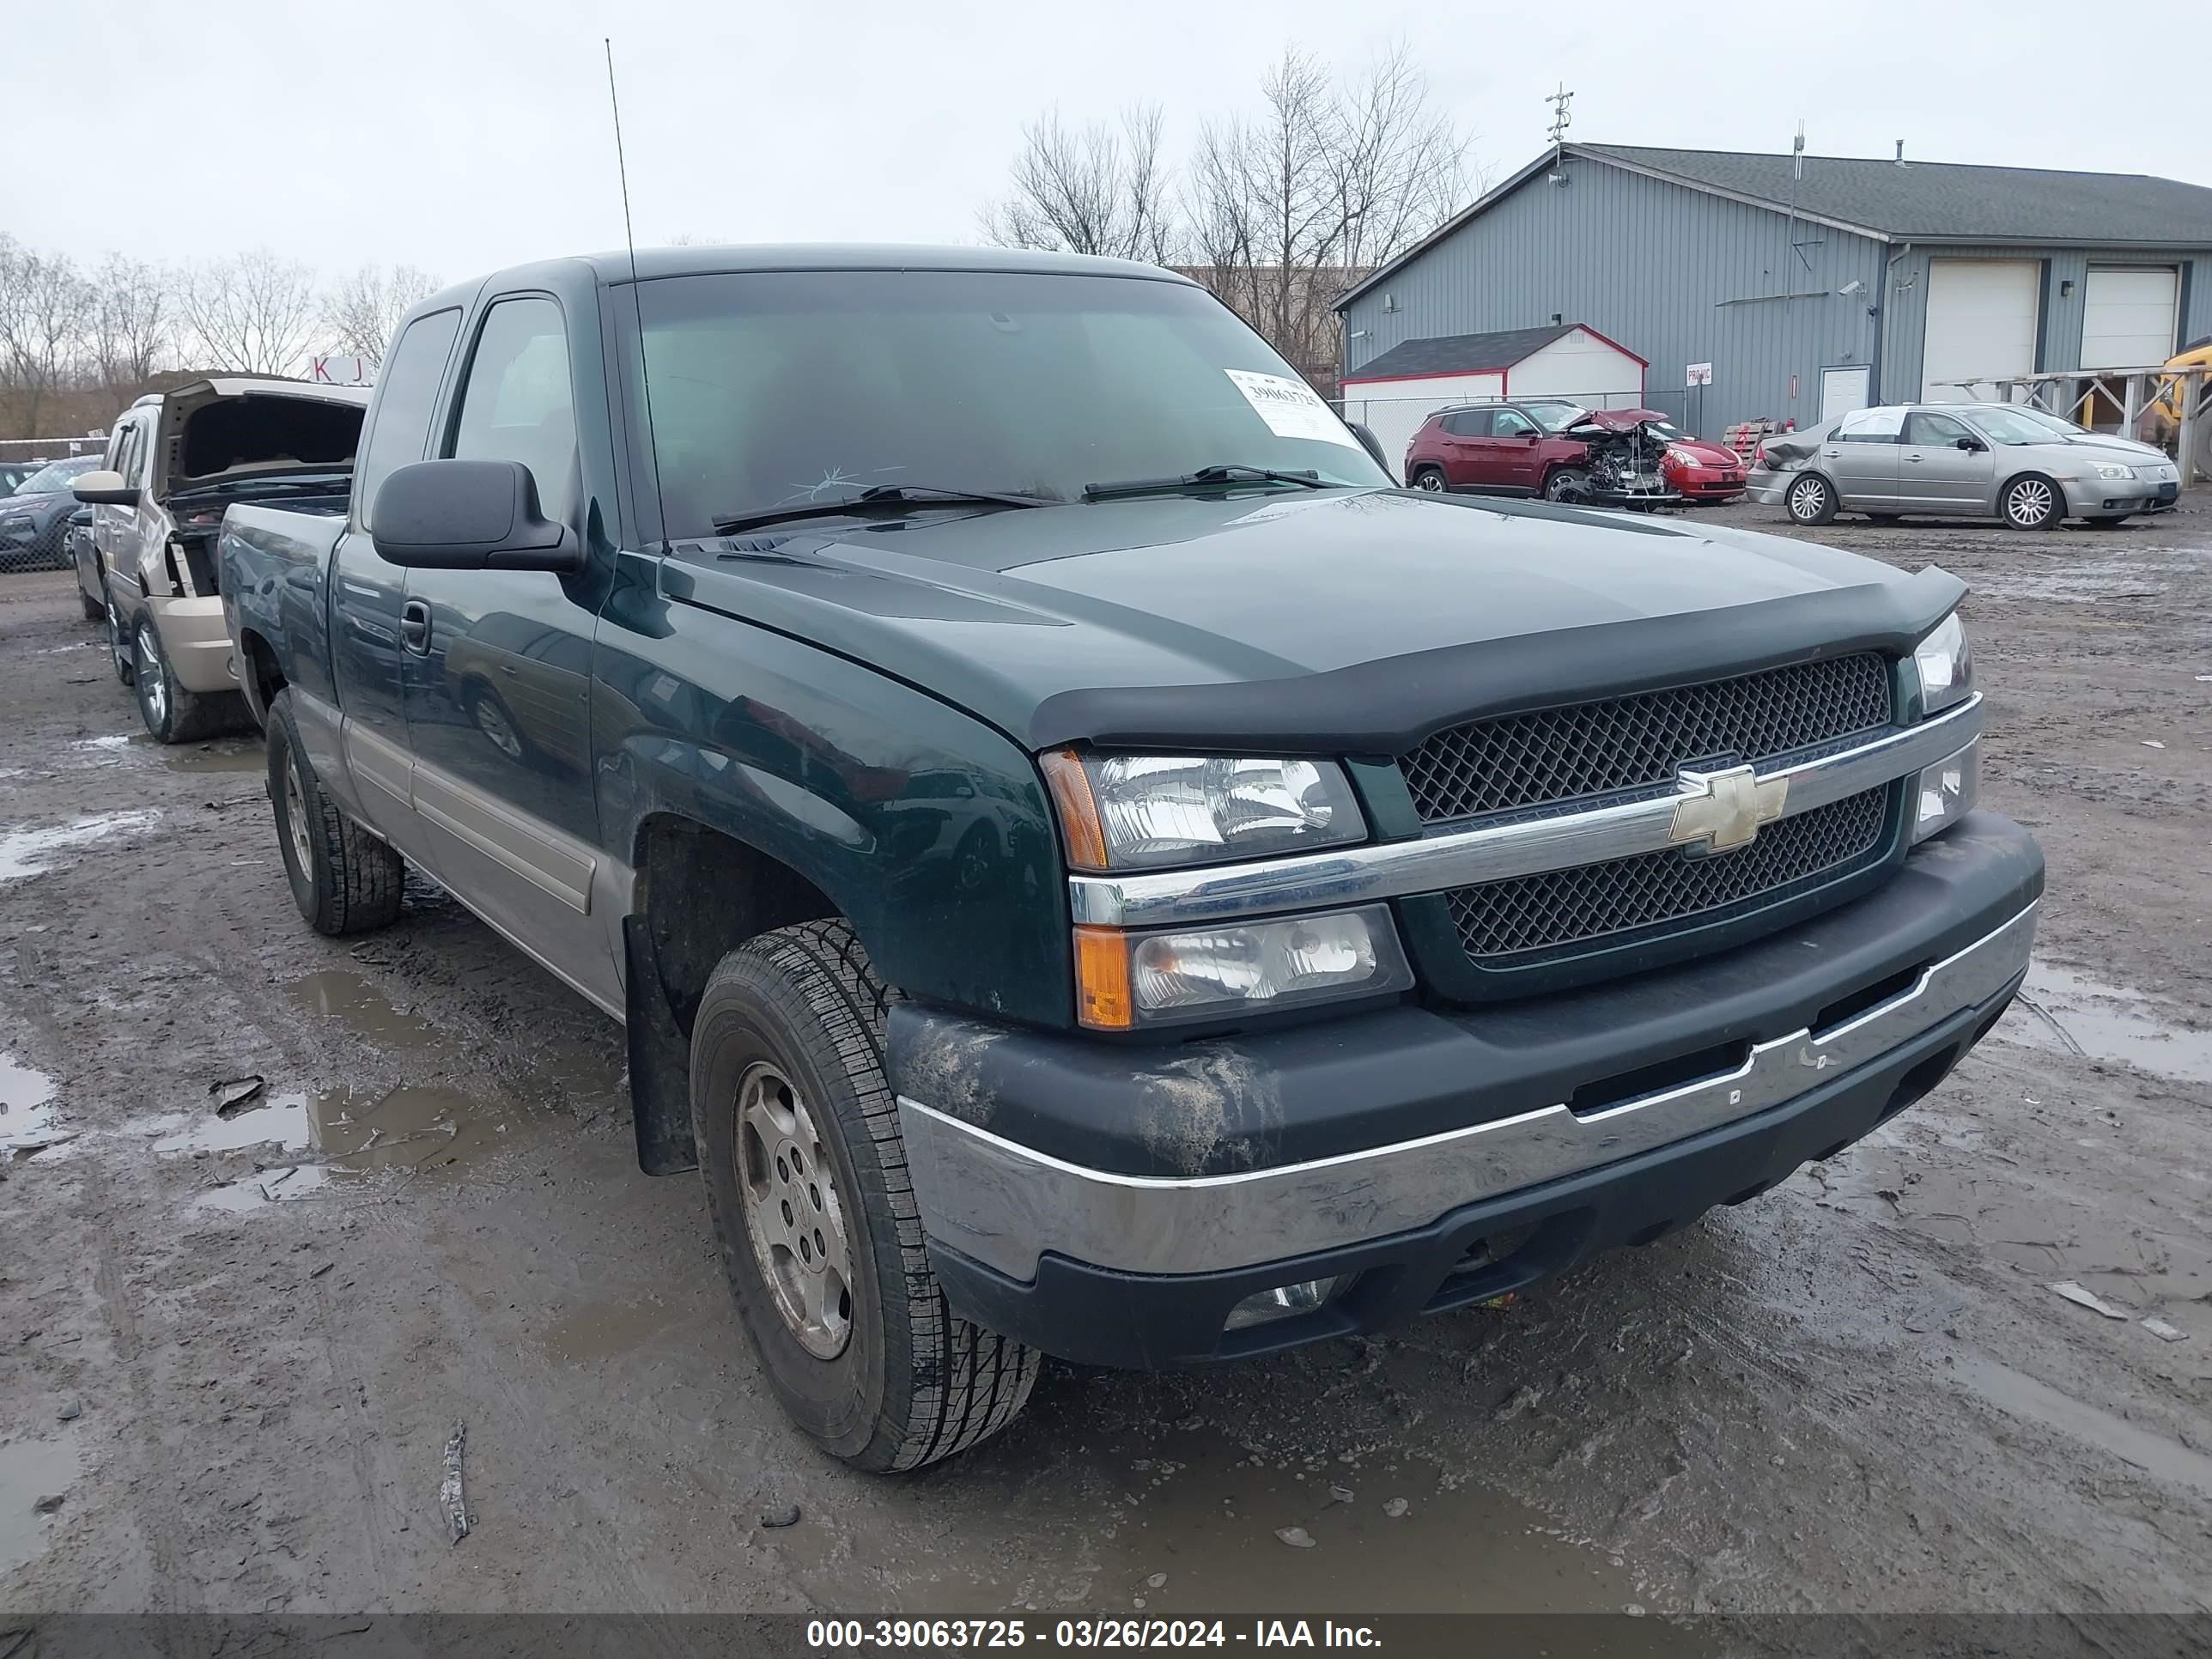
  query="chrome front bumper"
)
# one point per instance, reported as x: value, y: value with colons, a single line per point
x: 1005, y: 1205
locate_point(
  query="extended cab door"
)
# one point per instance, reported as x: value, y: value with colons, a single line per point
x: 368, y: 598
x: 498, y: 670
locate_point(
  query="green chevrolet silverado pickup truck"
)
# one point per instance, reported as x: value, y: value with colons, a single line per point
x: 1088, y: 865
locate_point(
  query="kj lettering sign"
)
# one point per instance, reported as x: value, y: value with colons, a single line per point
x: 341, y: 371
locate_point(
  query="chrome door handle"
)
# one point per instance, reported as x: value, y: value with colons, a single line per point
x: 1915, y: 460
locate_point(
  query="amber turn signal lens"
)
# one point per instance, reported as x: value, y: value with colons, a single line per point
x: 1102, y: 979
x: 1078, y: 811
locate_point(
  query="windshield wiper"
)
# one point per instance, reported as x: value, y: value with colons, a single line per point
x: 877, y: 495
x: 1223, y: 472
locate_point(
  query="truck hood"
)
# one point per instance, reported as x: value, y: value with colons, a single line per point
x: 1344, y: 621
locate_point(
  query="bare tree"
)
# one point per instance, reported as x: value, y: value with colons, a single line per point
x: 133, y: 317
x: 1288, y: 208
x: 364, y: 313
x: 252, y: 315
x: 1100, y: 189
x: 44, y: 302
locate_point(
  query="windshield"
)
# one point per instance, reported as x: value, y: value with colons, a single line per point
x: 796, y: 388
x: 2012, y: 426
x: 56, y: 476
x: 1554, y: 416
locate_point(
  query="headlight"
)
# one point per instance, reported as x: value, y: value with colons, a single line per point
x: 1126, y: 980
x: 1140, y: 812
x: 1946, y: 791
x: 2107, y: 470
x: 1946, y: 666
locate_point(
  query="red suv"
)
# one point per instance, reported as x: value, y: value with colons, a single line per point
x: 1497, y: 449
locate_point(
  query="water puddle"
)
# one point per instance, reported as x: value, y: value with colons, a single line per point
x: 32, y: 1473
x: 27, y: 1109
x: 1190, y: 1523
x: 2071, y: 1012
x: 2023, y: 1397
x: 217, y: 757
x: 353, y: 1133
x: 341, y: 994
x: 27, y: 852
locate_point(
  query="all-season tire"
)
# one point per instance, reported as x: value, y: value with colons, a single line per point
x: 1568, y: 484
x: 1431, y: 478
x: 172, y: 714
x: 343, y: 879
x: 787, y: 1049
x: 119, y: 645
x: 1810, y: 499
x: 2031, y: 501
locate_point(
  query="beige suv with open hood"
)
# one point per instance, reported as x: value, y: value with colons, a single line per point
x: 176, y: 461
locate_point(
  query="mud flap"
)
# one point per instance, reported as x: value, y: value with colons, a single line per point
x: 660, y: 1063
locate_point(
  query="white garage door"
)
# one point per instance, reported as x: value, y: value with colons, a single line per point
x: 1981, y: 324
x: 2126, y: 317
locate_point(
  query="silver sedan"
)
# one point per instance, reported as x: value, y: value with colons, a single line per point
x: 1966, y: 461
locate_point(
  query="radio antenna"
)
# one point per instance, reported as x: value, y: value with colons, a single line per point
x: 637, y: 314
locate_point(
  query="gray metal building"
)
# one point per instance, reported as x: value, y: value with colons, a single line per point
x: 1809, y: 283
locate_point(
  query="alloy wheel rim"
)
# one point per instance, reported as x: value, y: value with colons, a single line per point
x: 2031, y: 501
x: 794, y: 1213
x: 1808, y: 495
x: 153, y: 685
x: 296, y: 817
x: 1433, y: 483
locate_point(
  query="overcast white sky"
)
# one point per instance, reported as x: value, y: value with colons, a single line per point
x: 462, y: 135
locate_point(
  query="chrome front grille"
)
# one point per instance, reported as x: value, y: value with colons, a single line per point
x: 1563, y: 912
x: 1630, y: 743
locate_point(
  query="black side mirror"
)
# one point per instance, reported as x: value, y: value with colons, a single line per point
x: 469, y: 515
x: 82, y: 515
x: 1970, y: 443
x: 1372, y: 445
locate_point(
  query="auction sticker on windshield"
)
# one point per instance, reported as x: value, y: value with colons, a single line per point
x: 1291, y: 408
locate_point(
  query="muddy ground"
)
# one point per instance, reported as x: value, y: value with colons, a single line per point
x: 232, y: 1349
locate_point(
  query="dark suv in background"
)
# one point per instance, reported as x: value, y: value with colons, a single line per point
x: 35, y: 517
x: 1498, y: 449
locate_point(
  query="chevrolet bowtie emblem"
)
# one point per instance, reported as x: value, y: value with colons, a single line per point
x: 1724, y: 810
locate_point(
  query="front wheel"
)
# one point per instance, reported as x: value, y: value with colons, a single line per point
x: 1569, y: 483
x: 2031, y: 501
x: 1429, y: 478
x: 821, y: 1237
x: 1810, y: 499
